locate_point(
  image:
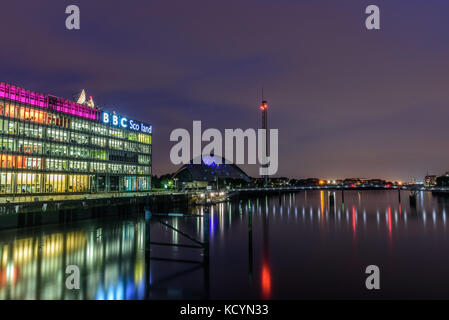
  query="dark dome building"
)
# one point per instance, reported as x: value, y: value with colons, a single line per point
x: 207, y: 173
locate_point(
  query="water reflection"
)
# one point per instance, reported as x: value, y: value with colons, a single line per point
x: 266, y: 273
x: 111, y: 262
x: 312, y: 244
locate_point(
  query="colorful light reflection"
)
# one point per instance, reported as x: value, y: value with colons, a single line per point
x: 266, y: 281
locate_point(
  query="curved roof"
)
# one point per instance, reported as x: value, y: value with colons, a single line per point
x: 209, y: 170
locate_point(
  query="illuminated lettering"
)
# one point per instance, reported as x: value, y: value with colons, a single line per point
x: 105, y: 117
x: 145, y: 129
x: 123, y: 122
x: 134, y: 126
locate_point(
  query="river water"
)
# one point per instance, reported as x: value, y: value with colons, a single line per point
x: 303, y: 245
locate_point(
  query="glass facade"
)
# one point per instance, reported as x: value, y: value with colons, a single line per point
x: 50, y: 147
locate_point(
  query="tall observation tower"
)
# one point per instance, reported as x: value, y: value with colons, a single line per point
x: 264, y: 109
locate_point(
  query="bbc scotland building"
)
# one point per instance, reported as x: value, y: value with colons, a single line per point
x: 50, y: 145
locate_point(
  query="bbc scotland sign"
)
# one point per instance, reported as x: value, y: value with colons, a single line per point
x: 123, y: 122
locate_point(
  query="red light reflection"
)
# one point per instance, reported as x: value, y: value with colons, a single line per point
x: 266, y: 281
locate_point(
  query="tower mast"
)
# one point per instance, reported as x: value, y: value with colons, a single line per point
x: 264, y: 109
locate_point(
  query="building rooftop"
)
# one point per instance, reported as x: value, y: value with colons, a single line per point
x: 209, y: 170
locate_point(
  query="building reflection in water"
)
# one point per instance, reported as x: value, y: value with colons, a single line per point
x: 111, y: 264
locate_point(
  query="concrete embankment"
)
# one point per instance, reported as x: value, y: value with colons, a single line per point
x: 28, y: 214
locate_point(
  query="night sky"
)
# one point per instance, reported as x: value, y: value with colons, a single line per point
x: 347, y: 101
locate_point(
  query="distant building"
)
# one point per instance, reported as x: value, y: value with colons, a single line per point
x: 355, y: 181
x: 443, y: 181
x: 430, y: 181
x: 209, y: 173
x: 278, y: 182
x: 377, y: 182
x: 305, y: 182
